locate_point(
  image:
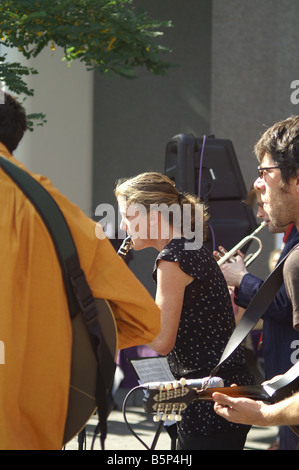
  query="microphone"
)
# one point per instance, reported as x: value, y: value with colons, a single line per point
x: 208, y: 382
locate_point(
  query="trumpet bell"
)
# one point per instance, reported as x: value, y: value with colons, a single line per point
x: 228, y: 257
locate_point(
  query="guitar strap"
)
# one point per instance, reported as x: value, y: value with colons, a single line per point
x: 282, y: 382
x: 79, y: 295
x: 254, y: 311
x: 285, y: 386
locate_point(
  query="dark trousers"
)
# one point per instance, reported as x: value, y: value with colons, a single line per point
x: 230, y: 440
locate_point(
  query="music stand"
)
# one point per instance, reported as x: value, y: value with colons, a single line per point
x: 156, y: 369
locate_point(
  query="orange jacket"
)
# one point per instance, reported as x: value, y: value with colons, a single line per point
x: 35, y: 330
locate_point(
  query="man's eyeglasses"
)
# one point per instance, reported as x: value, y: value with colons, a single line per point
x: 261, y: 169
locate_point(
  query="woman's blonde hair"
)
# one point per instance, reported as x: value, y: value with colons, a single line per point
x: 152, y: 188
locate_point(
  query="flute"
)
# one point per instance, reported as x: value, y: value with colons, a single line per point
x: 125, y: 247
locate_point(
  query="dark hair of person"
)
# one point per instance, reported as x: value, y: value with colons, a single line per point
x: 13, y: 122
x: 281, y: 141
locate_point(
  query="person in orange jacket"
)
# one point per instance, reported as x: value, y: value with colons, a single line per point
x: 35, y: 327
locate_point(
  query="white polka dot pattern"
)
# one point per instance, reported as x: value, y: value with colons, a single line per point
x: 206, y: 324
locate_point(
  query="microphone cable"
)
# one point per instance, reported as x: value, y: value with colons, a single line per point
x: 138, y: 387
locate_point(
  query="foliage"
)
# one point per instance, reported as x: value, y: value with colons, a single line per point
x: 110, y: 36
x: 12, y: 74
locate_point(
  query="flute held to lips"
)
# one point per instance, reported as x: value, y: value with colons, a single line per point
x: 125, y: 247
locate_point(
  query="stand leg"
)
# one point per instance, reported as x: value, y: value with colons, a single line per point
x: 157, y: 435
x: 82, y: 439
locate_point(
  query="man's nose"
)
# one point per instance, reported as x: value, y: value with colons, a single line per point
x: 259, y: 184
x: 260, y: 214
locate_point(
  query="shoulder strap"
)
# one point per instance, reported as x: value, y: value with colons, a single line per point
x: 52, y: 218
x: 278, y: 385
x: 79, y: 295
x: 254, y: 311
x: 285, y: 386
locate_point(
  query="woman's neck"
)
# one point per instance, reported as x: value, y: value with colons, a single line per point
x: 161, y: 242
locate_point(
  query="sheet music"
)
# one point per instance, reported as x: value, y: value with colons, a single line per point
x: 152, y: 369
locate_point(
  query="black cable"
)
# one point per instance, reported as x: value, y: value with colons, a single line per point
x: 139, y: 387
x: 125, y: 418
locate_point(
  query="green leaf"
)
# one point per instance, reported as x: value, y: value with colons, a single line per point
x: 110, y: 36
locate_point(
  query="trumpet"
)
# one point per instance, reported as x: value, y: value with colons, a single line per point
x: 249, y: 258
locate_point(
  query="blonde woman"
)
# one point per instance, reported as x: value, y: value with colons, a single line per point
x: 196, y: 312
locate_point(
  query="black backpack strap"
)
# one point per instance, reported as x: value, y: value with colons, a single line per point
x: 254, y: 311
x: 52, y: 218
x: 79, y: 295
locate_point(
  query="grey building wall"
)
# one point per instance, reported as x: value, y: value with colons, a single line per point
x: 236, y: 60
x: 255, y: 58
x: 134, y: 119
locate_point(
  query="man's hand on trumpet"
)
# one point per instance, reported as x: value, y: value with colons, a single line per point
x: 233, y: 271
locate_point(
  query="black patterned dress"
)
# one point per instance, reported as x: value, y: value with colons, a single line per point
x: 206, y: 324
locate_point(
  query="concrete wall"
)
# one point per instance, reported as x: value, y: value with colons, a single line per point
x: 254, y: 61
x: 135, y: 119
x: 236, y: 61
x: 61, y: 149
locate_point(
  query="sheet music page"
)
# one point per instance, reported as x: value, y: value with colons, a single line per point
x: 152, y: 369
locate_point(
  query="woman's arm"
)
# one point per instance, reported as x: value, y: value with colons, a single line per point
x: 171, y: 283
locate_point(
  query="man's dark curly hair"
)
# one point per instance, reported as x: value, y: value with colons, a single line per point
x: 13, y: 122
x: 281, y: 141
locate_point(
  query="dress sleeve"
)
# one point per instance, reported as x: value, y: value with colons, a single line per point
x: 192, y: 262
